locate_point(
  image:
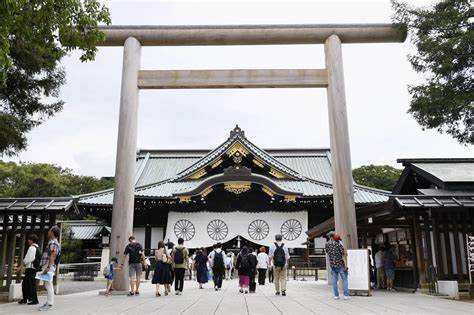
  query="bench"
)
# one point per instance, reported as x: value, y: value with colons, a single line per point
x: 305, y: 272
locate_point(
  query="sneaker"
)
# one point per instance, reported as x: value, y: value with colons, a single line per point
x: 277, y: 293
x: 346, y: 297
x: 33, y: 303
x: 336, y: 298
x: 46, y: 307
x: 283, y: 293
x: 130, y: 293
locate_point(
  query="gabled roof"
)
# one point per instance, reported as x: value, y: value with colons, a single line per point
x: 237, y: 137
x: 449, y: 173
x: 170, y: 173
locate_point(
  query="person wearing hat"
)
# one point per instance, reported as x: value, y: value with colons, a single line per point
x: 337, y: 260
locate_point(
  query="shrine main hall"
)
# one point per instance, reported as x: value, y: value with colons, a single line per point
x: 235, y: 194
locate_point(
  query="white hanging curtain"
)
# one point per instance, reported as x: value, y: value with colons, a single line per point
x: 203, y: 229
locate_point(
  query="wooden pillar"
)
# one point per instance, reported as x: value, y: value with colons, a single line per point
x: 437, y: 245
x: 457, y: 246
x: 418, y: 246
x: 21, y: 252
x: 343, y: 188
x: 3, y: 249
x: 447, y: 244
x: 426, y: 227
x: 124, y: 190
x: 41, y: 234
x: 11, y: 250
x: 147, y: 239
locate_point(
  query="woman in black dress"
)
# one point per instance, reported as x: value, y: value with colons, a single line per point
x: 162, y: 273
x: 200, y: 264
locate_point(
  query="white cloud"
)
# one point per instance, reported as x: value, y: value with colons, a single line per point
x: 83, y: 136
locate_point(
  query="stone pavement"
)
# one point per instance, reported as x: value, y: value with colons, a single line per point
x: 303, y: 298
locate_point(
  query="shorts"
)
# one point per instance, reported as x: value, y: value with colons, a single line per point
x: 135, y: 270
x: 389, y: 273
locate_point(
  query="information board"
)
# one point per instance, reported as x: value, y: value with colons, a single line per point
x: 358, y: 275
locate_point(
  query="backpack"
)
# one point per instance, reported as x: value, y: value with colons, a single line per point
x: 244, y: 262
x: 178, y: 256
x: 57, y: 259
x: 37, y: 262
x: 279, y: 259
x: 218, y: 262
x: 107, y: 271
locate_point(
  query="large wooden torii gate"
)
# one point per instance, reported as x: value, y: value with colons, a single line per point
x: 132, y: 38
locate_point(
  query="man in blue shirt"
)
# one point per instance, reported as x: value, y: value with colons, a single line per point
x: 279, y: 255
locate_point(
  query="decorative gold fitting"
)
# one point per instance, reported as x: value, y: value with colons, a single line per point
x: 198, y: 174
x: 237, y: 187
x: 206, y: 192
x: 185, y: 199
x: 267, y: 191
x: 290, y: 198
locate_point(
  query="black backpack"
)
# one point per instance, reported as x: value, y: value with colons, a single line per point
x: 244, y: 262
x: 178, y: 256
x: 37, y: 262
x: 218, y: 262
x: 279, y: 258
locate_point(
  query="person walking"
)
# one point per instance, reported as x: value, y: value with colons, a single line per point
x: 228, y: 266
x: 270, y: 270
x: 134, y: 250
x: 49, y: 261
x: 162, y: 274
x: 337, y: 260
x: 243, y: 268
x: 216, y: 260
x: 252, y: 271
x: 280, y: 256
x: 180, y: 263
x: 389, y: 267
x: 200, y: 265
x: 379, y: 267
x: 262, y: 265
x: 32, y: 265
x: 147, y: 267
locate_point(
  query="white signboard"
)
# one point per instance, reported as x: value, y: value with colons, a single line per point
x: 358, y: 275
x: 203, y: 229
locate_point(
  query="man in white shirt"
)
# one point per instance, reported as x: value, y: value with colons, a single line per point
x: 280, y: 256
x: 379, y: 267
x: 28, y: 286
x: 262, y: 265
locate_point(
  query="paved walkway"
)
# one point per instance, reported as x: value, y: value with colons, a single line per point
x: 303, y: 298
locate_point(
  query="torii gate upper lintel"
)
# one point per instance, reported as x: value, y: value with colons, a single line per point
x: 331, y: 78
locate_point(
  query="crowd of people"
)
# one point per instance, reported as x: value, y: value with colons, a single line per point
x: 173, y: 261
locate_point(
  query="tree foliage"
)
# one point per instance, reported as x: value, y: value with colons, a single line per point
x: 34, y: 36
x: 377, y: 176
x: 443, y: 36
x: 45, y: 180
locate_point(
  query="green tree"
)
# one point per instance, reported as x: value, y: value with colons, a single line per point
x: 34, y: 36
x: 377, y: 176
x: 45, y: 180
x: 443, y: 36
